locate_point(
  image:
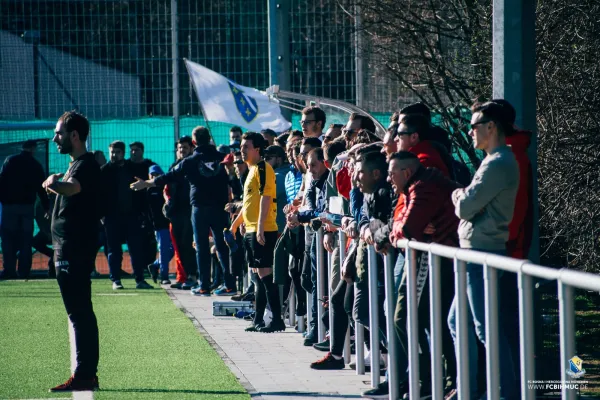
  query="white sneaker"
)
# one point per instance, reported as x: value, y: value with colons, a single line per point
x: 117, y: 285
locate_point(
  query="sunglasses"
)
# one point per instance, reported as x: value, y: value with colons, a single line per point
x: 306, y: 121
x: 484, y: 121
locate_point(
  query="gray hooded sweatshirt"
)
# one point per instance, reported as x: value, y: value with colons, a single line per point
x: 486, y: 206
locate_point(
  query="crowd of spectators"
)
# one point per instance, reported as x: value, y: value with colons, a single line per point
x: 252, y: 208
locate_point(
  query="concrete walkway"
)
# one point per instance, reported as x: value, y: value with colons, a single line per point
x: 269, y: 366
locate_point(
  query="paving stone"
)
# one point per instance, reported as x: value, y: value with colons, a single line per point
x: 269, y: 366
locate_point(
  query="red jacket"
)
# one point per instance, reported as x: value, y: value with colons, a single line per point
x: 342, y: 181
x: 428, y: 197
x: 429, y: 155
x: 521, y: 227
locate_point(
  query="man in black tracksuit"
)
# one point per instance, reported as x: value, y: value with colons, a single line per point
x: 124, y: 221
x: 75, y: 218
x: 209, y: 194
x: 21, y: 180
x: 179, y: 211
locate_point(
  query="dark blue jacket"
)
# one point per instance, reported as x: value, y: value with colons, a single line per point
x: 316, y: 203
x: 209, y: 183
x: 21, y: 179
x: 356, y: 203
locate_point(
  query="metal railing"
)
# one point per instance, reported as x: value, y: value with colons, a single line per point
x: 567, y: 281
x: 526, y: 271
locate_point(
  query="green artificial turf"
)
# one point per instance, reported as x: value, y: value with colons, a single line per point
x: 34, y: 340
x: 148, y: 348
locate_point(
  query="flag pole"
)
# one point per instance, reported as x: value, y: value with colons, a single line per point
x: 199, y: 100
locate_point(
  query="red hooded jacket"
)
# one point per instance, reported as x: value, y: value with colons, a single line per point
x: 428, y: 196
x: 521, y: 227
x: 429, y: 155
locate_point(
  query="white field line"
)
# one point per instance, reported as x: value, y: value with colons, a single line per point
x: 87, y: 395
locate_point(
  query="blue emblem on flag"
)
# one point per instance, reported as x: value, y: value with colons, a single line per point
x: 246, y: 105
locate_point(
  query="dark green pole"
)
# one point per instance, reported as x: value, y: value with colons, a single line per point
x: 514, y: 79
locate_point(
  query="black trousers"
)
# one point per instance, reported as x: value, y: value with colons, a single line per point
x: 76, y: 290
x: 341, y: 305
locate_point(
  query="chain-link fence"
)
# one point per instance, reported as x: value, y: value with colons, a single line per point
x: 113, y: 61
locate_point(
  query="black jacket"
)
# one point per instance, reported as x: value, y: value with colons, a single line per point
x: 21, y: 179
x: 118, y: 197
x: 156, y: 202
x: 179, y: 196
x: 209, y: 183
x: 378, y: 205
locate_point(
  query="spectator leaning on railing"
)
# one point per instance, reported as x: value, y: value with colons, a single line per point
x: 485, y: 209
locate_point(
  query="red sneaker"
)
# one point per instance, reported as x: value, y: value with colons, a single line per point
x: 329, y: 362
x: 74, y: 384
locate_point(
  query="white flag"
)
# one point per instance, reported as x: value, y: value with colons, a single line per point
x: 225, y: 101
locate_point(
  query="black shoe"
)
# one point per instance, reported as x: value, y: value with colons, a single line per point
x: 382, y: 391
x: 425, y: 392
x: 237, y: 297
x: 329, y: 362
x: 255, y: 327
x: 248, y: 297
x: 215, y: 286
x: 323, y: 346
x: 274, y: 326
x: 189, y: 284
x: 176, y: 285
x: 165, y: 282
x: 4, y: 275
x: 153, y: 270
x: 309, y: 340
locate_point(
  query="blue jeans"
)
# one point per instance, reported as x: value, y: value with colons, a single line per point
x: 213, y: 219
x: 476, y: 302
x: 17, y: 236
x: 165, y: 252
x: 125, y: 229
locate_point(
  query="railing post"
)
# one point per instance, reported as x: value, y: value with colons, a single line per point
x: 374, y: 317
x: 527, y: 333
x: 462, y: 327
x: 320, y: 285
x: 412, y: 301
x: 308, y: 310
x: 437, y: 325
x: 359, y: 344
x: 490, y: 276
x: 566, y: 306
x: 330, y: 293
x: 342, y: 243
x: 292, y: 306
x: 392, y: 367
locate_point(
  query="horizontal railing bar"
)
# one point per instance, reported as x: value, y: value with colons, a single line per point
x: 578, y: 279
x: 581, y: 280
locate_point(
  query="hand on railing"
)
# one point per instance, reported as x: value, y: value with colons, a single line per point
x: 328, y: 241
x: 383, y: 248
x: 367, y: 236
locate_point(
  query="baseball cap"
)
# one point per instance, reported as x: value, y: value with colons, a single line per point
x: 155, y: 170
x: 228, y: 159
x: 275, y: 151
